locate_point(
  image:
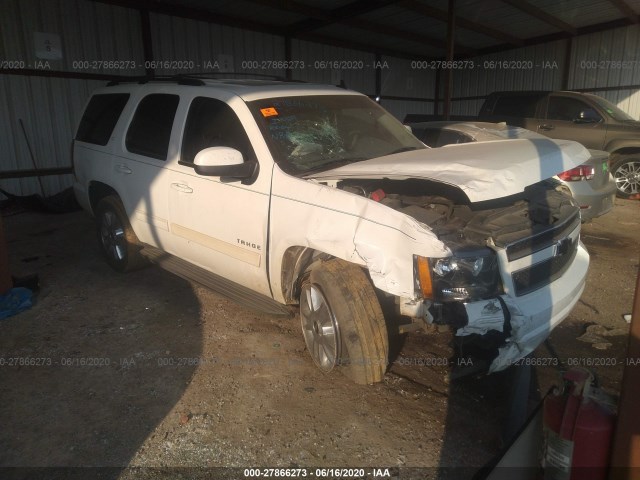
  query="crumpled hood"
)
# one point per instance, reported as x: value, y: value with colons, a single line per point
x: 484, y: 171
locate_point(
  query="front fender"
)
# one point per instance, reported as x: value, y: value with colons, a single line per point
x: 309, y: 214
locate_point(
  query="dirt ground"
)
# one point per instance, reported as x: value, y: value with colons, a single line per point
x: 148, y: 370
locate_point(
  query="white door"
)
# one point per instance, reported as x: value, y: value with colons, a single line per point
x: 217, y: 224
x: 140, y: 167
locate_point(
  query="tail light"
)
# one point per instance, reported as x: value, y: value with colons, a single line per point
x: 583, y: 172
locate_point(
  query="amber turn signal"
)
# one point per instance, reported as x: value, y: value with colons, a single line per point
x: 424, y: 276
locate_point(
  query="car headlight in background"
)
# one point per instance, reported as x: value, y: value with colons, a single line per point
x: 468, y: 275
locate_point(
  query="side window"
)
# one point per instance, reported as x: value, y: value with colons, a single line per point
x: 100, y: 117
x: 150, y: 129
x: 516, y: 106
x: 570, y: 109
x: 213, y: 123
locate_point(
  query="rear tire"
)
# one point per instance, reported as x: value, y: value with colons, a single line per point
x: 342, y: 322
x: 117, y: 240
x: 626, y: 172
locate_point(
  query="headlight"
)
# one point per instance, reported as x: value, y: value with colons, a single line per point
x: 466, y: 276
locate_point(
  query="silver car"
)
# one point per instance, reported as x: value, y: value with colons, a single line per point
x: 591, y: 184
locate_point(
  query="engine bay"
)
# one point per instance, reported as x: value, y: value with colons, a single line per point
x: 446, y: 210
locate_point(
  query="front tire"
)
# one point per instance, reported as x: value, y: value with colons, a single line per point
x: 342, y: 322
x: 117, y: 240
x: 626, y: 173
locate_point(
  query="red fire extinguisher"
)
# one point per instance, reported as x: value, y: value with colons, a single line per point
x: 578, y: 428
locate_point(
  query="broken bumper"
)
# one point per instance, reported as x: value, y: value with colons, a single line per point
x: 527, y: 320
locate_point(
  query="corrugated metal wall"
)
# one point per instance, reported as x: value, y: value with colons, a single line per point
x: 50, y: 108
x: 355, y: 68
x: 537, y: 67
x: 597, y: 59
x: 605, y: 59
x: 93, y: 32
x: 609, y: 58
x: 400, y: 108
x: 192, y: 46
x: 90, y: 32
x: 405, y: 78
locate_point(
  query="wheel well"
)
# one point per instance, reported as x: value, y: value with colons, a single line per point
x: 295, y: 262
x: 626, y: 151
x: 97, y: 191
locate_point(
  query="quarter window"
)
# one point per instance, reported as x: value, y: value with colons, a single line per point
x: 100, y: 118
x: 213, y: 123
x: 150, y: 129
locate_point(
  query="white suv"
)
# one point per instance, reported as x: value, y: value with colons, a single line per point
x: 283, y: 194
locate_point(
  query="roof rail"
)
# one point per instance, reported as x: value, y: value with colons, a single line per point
x: 196, y: 79
x: 180, y: 79
x: 214, y: 75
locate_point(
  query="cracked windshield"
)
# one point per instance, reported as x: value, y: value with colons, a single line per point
x: 315, y: 133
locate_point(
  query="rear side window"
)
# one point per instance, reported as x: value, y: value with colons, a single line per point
x: 150, y: 129
x: 100, y: 117
x: 516, y: 106
x: 213, y: 123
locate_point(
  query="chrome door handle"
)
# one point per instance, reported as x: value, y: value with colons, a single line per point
x: 181, y: 187
x: 123, y: 169
x: 546, y: 126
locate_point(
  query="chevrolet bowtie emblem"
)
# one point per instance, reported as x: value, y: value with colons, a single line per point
x: 562, y: 247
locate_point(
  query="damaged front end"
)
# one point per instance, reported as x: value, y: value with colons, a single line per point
x: 517, y: 265
x: 484, y: 242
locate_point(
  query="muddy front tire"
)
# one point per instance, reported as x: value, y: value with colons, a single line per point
x: 342, y: 322
x: 117, y: 240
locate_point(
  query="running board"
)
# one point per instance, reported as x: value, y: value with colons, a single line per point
x: 234, y: 291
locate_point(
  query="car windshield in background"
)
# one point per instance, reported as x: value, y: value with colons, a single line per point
x: 613, y: 111
x: 314, y: 133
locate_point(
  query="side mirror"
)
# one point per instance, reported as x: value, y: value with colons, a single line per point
x: 224, y: 162
x: 408, y: 127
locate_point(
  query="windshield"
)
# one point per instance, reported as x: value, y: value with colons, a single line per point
x: 309, y: 134
x: 613, y: 111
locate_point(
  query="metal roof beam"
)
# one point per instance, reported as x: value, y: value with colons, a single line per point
x: 193, y: 14
x: 293, y: 6
x: 625, y: 8
x: 541, y: 15
x: 441, y: 15
x: 552, y: 37
x: 336, y: 42
x: 297, y: 7
x: 211, y: 17
x: 404, y: 34
x: 350, y: 10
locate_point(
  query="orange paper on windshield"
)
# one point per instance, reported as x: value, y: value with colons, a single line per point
x: 268, y: 112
